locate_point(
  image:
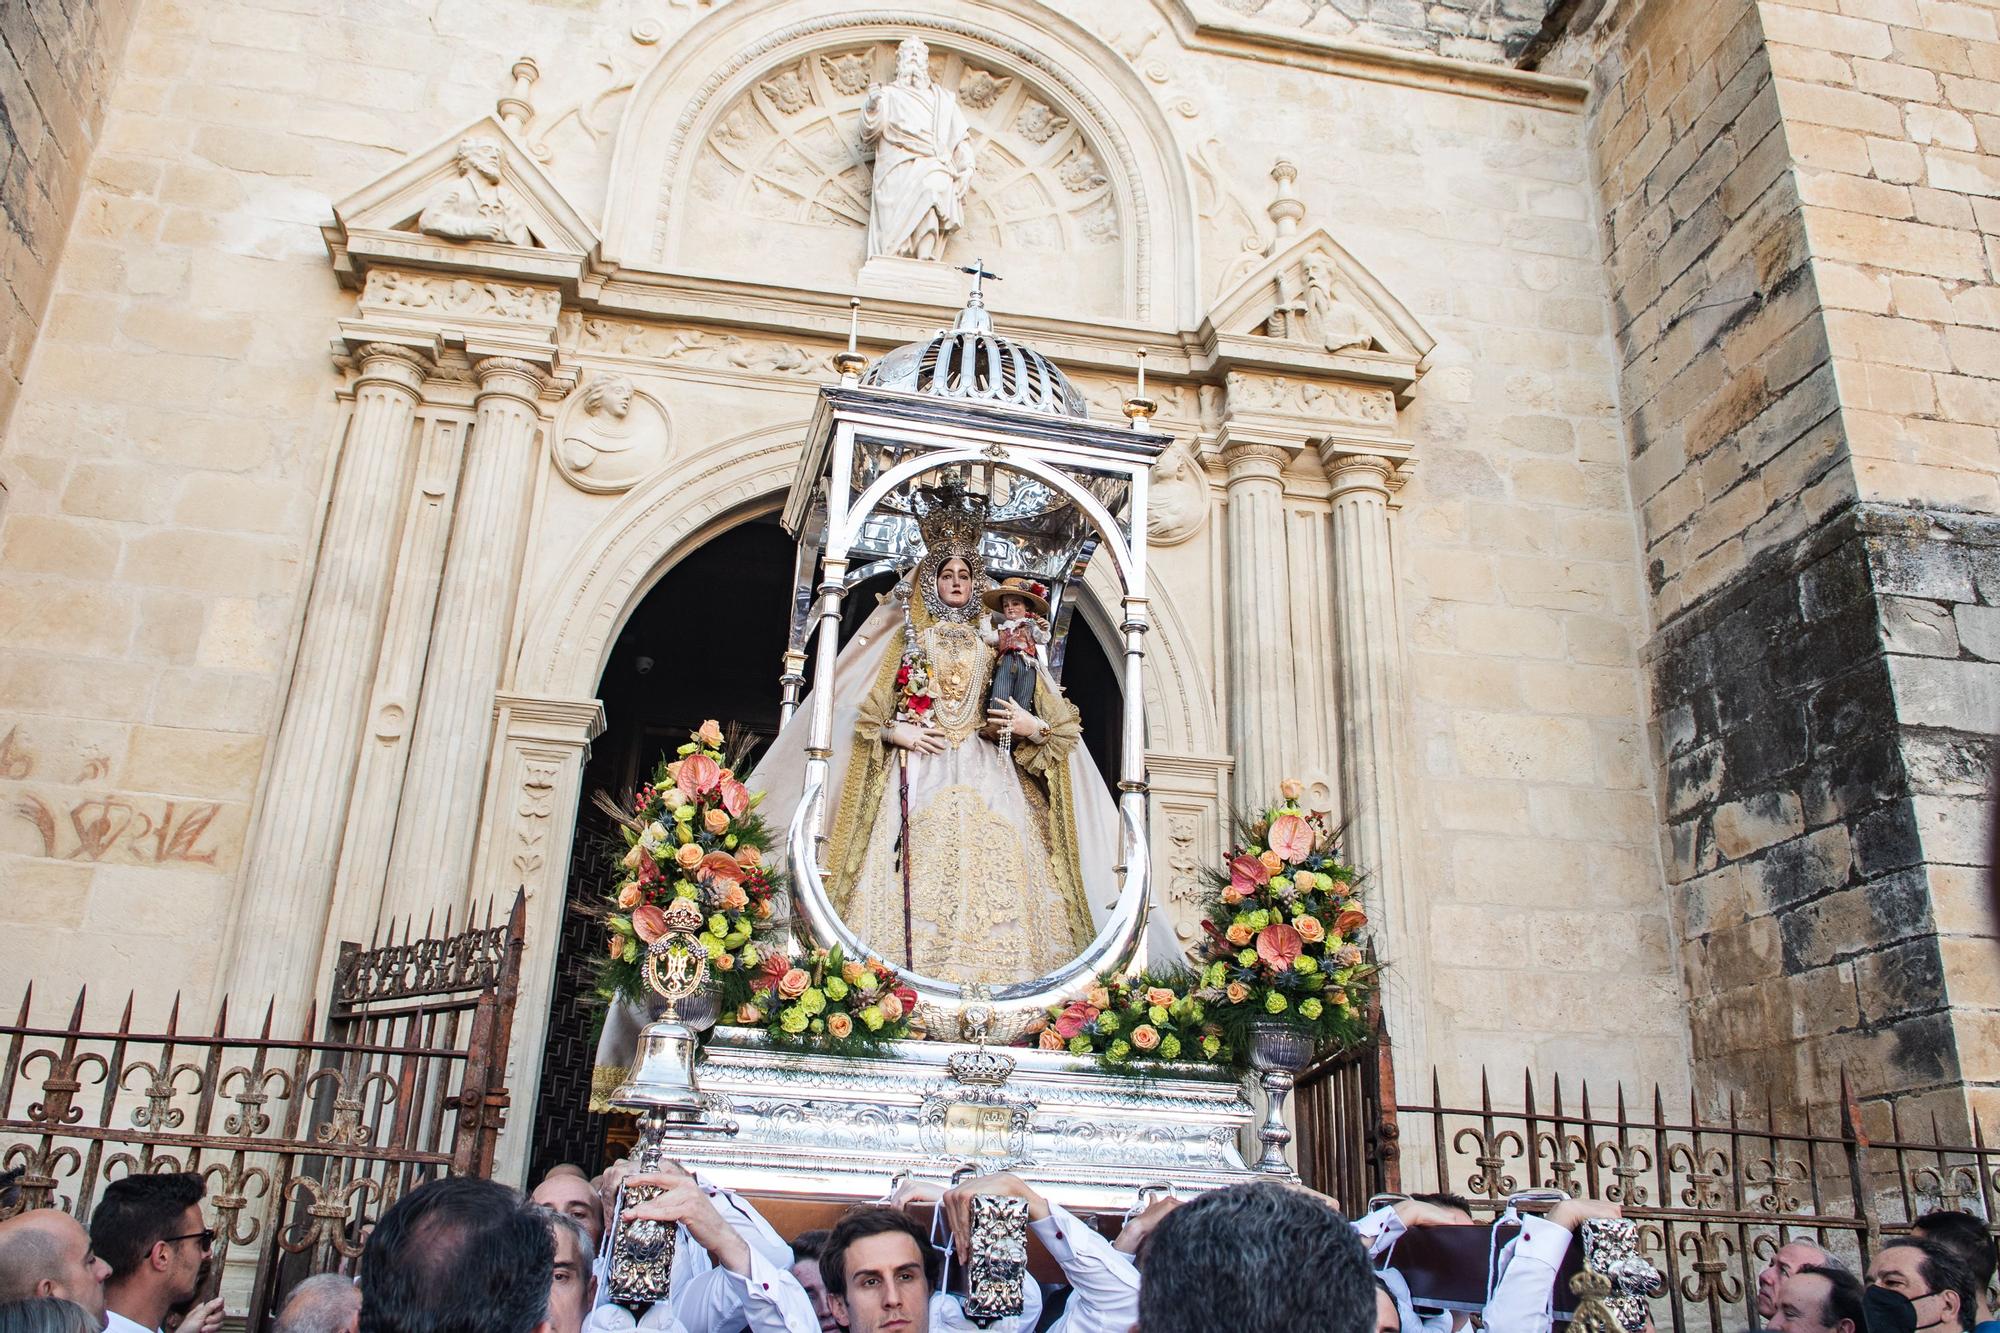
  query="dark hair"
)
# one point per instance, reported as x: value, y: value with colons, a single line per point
x: 808, y: 1244
x: 137, y: 1213
x: 1252, y: 1258
x: 45, y: 1314
x: 1943, y: 1270
x: 1442, y: 1199
x: 859, y: 1224
x: 458, y: 1255
x: 1843, y: 1301
x: 1966, y: 1234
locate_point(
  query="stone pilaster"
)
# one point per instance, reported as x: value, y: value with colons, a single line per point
x: 1369, y: 704
x: 1260, y: 664
x: 437, y: 824
x: 536, y: 777
x: 288, y: 871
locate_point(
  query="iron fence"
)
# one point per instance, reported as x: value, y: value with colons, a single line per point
x: 1715, y: 1194
x: 301, y: 1140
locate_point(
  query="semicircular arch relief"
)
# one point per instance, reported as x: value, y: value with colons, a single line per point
x: 1052, y: 204
x: 789, y: 149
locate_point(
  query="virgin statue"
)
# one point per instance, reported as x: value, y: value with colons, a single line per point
x: 967, y: 842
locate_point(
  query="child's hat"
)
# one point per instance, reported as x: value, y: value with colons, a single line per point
x: 1034, y: 594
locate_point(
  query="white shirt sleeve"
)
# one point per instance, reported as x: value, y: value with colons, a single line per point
x: 710, y: 1301
x: 1523, y: 1299
x: 1104, y: 1282
x: 771, y: 1299
x: 1379, y: 1230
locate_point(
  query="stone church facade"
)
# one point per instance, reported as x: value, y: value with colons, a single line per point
x: 1583, y: 478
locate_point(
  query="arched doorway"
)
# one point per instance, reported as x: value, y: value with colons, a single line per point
x: 667, y: 670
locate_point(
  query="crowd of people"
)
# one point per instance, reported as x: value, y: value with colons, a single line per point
x: 465, y: 1255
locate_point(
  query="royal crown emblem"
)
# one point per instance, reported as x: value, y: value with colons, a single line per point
x: 982, y: 1066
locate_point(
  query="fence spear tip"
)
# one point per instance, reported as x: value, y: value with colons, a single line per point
x: 76, y: 1011
x: 270, y: 1008
x: 174, y: 1015
x: 222, y: 1016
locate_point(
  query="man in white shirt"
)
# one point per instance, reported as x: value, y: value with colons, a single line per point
x: 46, y: 1252
x: 1523, y: 1297
x: 1257, y: 1258
x: 149, y: 1228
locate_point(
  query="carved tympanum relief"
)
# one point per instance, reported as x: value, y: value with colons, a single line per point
x: 478, y: 205
x: 791, y: 149
x: 612, y: 436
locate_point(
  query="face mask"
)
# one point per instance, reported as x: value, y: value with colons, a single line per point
x: 1886, y: 1311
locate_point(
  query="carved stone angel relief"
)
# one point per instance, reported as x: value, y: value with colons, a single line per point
x: 1179, y: 499
x: 613, y: 436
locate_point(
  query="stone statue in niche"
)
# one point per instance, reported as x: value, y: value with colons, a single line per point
x: 477, y: 206
x: 615, y: 436
x: 923, y: 160
x: 1316, y: 314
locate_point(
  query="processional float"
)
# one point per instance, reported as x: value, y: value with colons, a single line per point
x: 965, y: 411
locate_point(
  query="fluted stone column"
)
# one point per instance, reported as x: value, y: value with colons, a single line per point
x: 1260, y: 650
x: 437, y: 823
x: 1370, y: 697
x: 281, y: 915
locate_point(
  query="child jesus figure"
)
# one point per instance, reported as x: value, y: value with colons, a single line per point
x: 1017, y: 625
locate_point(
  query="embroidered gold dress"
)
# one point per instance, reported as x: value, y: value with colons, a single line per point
x: 996, y: 892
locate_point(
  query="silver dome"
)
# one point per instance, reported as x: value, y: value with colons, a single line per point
x: 970, y: 362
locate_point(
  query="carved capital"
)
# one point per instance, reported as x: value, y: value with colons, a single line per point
x: 1361, y: 472
x: 1244, y: 459
x: 511, y: 377
x: 393, y: 365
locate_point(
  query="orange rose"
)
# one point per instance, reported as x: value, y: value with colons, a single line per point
x: 688, y: 856
x: 1350, y: 920
x: 1272, y: 862
x: 1159, y: 995
x: 1231, y: 896
x: 1291, y: 789
x: 1236, y: 992
x: 1146, y: 1037
x: 725, y: 962
x: 709, y: 733
x: 615, y: 945
x: 1097, y: 997
x: 716, y: 821
x: 1310, y: 930
x: 793, y: 984
x: 628, y: 896
x: 1049, y: 1041
x: 839, y: 1026
x: 749, y: 1015
x: 1240, y: 934
x: 732, y: 898
x: 891, y: 1005
x: 851, y: 972
x: 749, y: 857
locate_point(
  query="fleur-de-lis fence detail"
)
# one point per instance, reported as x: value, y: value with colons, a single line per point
x: 298, y: 1136
x: 1950, y: 1185
x: 1778, y: 1174
x: 1627, y: 1163
x: 1491, y: 1153
x: 1709, y: 1253
x: 1707, y: 1172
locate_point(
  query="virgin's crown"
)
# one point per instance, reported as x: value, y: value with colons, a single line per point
x: 951, y: 519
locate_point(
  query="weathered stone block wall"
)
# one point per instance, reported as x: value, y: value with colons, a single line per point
x: 1820, y: 724
x: 57, y: 62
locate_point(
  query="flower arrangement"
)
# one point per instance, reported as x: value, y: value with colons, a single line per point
x: 1132, y: 1024
x: 913, y: 688
x: 1283, y: 932
x: 827, y: 1003
x: 693, y: 833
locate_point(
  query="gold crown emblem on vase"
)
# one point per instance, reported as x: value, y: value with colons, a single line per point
x: 684, y: 914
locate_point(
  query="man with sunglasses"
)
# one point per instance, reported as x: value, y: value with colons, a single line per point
x: 149, y: 1228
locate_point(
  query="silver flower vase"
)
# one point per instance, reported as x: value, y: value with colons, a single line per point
x: 1277, y: 1052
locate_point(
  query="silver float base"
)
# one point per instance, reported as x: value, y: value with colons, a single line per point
x: 812, y: 1126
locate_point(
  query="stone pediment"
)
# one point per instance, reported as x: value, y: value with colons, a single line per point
x: 1312, y: 308
x: 436, y: 211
